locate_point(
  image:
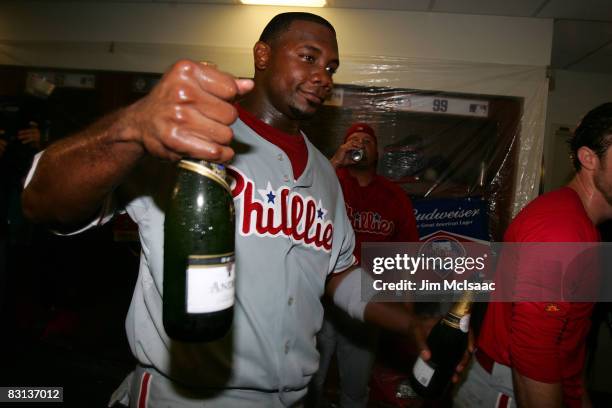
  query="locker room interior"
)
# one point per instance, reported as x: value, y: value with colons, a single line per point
x: 64, y: 306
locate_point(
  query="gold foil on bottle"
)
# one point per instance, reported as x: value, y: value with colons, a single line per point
x: 212, y: 173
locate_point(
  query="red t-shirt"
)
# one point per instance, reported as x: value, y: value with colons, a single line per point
x: 541, y: 340
x: 294, y: 146
x: 379, y: 212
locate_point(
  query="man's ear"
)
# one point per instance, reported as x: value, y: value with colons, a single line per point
x: 588, y: 158
x: 261, y: 54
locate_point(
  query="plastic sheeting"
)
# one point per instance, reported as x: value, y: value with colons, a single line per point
x: 446, y: 130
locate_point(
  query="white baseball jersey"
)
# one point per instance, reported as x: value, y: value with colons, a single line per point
x: 290, y: 234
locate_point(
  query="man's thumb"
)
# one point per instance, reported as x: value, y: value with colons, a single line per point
x: 244, y: 86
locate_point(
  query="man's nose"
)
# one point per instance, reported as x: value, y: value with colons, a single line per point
x: 322, y: 77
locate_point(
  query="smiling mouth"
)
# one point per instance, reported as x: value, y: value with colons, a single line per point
x: 312, y: 98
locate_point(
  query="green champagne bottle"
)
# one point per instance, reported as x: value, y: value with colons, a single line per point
x: 447, y: 342
x: 198, y: 298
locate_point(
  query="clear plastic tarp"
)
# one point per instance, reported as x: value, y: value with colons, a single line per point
x: 453, y: 135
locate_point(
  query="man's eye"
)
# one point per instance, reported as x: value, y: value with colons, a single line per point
x: 331, y: 70
x: 308, y: 58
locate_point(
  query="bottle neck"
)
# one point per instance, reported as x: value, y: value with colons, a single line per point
x: 196, y: 161
x: 464, y: 305
x: 461, y: 308
x: 458, y: 316
x: 213, y: 171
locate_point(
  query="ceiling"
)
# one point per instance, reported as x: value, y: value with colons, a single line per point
x: 582, y: 38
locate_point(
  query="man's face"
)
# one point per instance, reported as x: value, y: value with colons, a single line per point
x: 368, y: 143
x: 603, y: 176
x: 302, y: 63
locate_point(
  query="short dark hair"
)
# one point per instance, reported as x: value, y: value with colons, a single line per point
x: 594, y: 132
x: 281, y: 22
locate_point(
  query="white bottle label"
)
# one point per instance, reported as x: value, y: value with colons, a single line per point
x: 464, y: 323
x: 210, y: 288
x: 422, y: 372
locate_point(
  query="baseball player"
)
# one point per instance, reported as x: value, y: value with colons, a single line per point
x: 379, y: 211
x: 531, y: 354
x: 293, y: 239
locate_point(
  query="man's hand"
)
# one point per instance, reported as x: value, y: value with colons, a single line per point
x: 467, y: 356
x: 400, y: 318
x: 188, y: 114
x: 30, y: 136
x: 422, y: 327
x: 342, y: 157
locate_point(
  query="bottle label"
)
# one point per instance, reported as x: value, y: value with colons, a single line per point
x: 464, y: 323
x: 210, y: 283
x: 422, y: 372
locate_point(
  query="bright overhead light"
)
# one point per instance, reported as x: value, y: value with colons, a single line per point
x: 295, y: 3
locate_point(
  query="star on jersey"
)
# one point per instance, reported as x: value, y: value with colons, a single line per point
x: 321, y: 212
x: 268, y: 194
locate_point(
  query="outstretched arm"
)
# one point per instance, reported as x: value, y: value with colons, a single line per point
x: 396, y: 317
x: 186, y: 115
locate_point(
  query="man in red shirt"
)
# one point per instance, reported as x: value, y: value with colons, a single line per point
x: 379, y: 211
x: 531, y: 354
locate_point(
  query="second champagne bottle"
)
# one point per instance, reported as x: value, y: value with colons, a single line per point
x: 447, y: 342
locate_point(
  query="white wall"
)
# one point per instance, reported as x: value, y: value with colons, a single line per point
x: 207, y: 29
x: 433, y: 51
x: 573, y: 95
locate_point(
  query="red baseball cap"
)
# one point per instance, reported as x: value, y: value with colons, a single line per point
x: 360, y: 128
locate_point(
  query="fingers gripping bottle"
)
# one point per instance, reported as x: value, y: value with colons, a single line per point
x: 198, y: 296
x: 447, y: 342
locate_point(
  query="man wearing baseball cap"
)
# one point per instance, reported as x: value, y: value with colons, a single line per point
x: 379, y: 211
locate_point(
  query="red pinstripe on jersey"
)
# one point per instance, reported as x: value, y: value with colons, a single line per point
x: 143, y: 394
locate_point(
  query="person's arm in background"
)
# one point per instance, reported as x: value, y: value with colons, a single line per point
x: 547, y: 345
x: 30, y: 136
x: 536, y: 360
x: 187, y: 114
x: 531, y: 393
x: 341, y: 157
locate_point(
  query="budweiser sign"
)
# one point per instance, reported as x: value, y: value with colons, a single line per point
x: 440, y: 215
